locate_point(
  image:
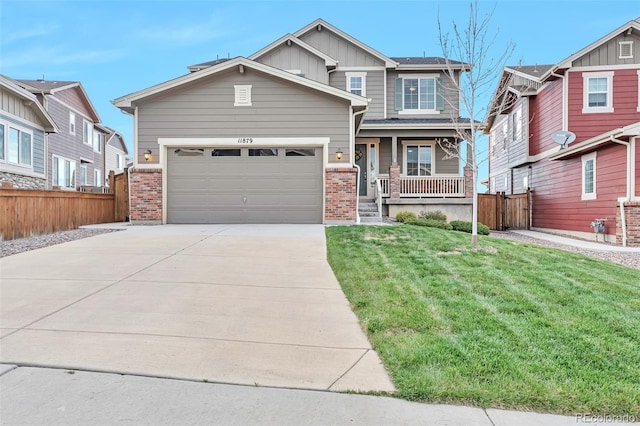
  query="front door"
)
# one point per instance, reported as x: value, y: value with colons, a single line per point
x: 361, y: 161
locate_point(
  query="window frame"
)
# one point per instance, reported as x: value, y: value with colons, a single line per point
x: 72, y: 123
x: 87, y: 132
x: 586, y: 109
x: 363, y: 80
x: 3, y: 144
x: 584, y: 160
x: 100, y: 136
x: 7, y: 145
x: 72, y: 172
x: 418, y: 143
x: 97, y: 177
x: 436, y: 81
x: 83, y: 175
x: 516, y: 124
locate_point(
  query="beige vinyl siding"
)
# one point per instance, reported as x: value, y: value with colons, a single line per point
x: 205, y: 109
x: 346, y: 53
x: 296, y: 58
x: 451, y: 102
x: 374, y: 89
x: 449, y: 166
x: 608, y: 53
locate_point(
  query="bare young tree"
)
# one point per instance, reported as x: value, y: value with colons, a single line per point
x: 475, y: 45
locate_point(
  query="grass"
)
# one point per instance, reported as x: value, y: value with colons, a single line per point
x: 506, y: 325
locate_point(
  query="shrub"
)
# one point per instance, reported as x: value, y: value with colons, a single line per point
x: 431, y: 223
x: 435, y: 215
x: 403, y: 216
x: 460, y: 225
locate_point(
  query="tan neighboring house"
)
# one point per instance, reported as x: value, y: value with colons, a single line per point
x: 316, y: 127
x: 25, y: 127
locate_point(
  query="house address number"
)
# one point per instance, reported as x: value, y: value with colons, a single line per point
x: 245, y: 140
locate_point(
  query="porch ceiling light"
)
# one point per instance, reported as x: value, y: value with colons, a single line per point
x: 147, y: 155
x: 339, y: 154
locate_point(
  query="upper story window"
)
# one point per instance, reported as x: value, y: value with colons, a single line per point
x: 626, y: 50
x: 589, y: 176
x: 2, y: 141
x: 516, y: 125
x: 87, y: 132
x: 356, y: 83
x: 118, y: 162
x: 19, y: 146
x: 72, y: 123
x: 598, y: 92
x: 418, y: 94
x: 97, y: 141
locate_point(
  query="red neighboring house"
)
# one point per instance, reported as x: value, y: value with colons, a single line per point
x: 595, y: 94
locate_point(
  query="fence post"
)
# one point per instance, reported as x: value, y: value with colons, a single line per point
x: 112, y: 182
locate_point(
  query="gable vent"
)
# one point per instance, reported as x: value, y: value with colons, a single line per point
x: 243, y: 95
x: 626, y: 50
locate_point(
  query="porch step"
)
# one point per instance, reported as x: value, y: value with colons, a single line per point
x: 367, y: 207
x: 368, y: 210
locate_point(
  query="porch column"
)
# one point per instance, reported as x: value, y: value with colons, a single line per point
x: 394, y: 150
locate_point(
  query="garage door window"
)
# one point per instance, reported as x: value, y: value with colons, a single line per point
x: 225, y: 152
x: 263, y: 152
x: 189, y: 152
x: 301, y: 152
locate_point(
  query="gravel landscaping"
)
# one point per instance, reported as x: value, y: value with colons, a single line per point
x: 630, y: 259
x: 9, y: 247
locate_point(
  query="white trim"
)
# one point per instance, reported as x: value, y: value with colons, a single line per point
x: 328, y: 60
x: 72, y: 121
x: 625, y: 43
x: 242, y: 142
x: 38, y: 108
x: 418, y: 111
x: 586, y: 109
x: 384, y: 94
x: 363, y: 68
x: 638, y: 90
x: 85, y: 160
x: 90, y: 132
x: 20, y: 130
x: 21, y: 170
x: 75, y: 177
x: 544, y: 154
x: 242, y: 95
x: 10, y: 118
x: 86, y: 170
x: 431, y: 143
x: 585, y: 158
x: 565, y: 103
x: 363, y: 77
x: 599, y: 68
x: 338, y: 166
x: 97, y: 178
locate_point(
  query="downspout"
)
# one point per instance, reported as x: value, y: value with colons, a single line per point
x: 366, y: 108
x: 630, y: 177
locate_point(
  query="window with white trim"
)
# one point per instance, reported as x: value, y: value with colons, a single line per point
x: 97, y: 177
x: 356, y: 83
x: 63, y: 172
x: 19, y: 146
x: 418, y: 160
x: 87, y: 132
x: 598, y: 92
x: 638, y: 90
x: 118, y: 162
x: 516, y: 125
x: 418, y: 94
x: 589, y: 176
x: 72, y: 123
x: 243, y: 95
x: 626, y: 50
x: 97, y: 141
x: 2, y: 157
x: 83, y: 175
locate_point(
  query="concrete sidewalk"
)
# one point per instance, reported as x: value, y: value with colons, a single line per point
x: 583, y: 244
x: 242, y: 304
x: 37, y: 396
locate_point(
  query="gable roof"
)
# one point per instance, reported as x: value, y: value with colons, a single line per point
x: 428, y: 62
x: 203, y: 65
x: 125, y: 102
x: 533, y: 72
x: 290, y: 38
x: 42, y: 114
x: 389, y: 63
x: 116, y: 135
x: 49, y: 87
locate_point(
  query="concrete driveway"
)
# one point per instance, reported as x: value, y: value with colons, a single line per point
x: 245, y: 304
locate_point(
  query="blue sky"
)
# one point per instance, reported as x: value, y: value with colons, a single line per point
x: 119, y: 46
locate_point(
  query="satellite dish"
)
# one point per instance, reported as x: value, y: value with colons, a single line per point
x: 563, y: 138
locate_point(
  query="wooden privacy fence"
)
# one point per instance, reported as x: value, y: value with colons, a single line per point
x: 26, y: 212
x: 500, y: 211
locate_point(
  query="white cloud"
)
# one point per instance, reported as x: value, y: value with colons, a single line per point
x: 39, y: 57
x: 30, y: 32
x: 185, y: 33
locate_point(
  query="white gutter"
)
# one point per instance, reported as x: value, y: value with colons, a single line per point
x: 354, y: 163
x: 630, y: 184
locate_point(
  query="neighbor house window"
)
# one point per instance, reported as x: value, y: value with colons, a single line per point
x: 87, y: 132
x: 72, y: 123
x: 83, y: 175
x: 1, y: 141
x: 118, y: 162
x: 64, y: 172
x: 97, y: 141
x: 589, y: 176
x: 418, y: 160
x: 598, y: 92
x: 516, y: 125
x: 626, y: 50
x: 19, y: 147
x: 97, y: 178
x: 418, y: 94
x: 356, y: 83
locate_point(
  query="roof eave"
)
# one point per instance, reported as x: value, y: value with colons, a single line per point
x: 328, y: 60
x: 631, y: 130
x: 48, y: 124
x: 432, y: 67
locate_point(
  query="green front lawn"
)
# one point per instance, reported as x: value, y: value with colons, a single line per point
x: 505, y: 325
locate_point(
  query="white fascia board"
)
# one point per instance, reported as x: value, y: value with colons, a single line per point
x: 125, y: 101
x: 413, y: 126
x: 433, y: 67
x: 328, y: 60
x: 243, y: 142
x: 389, y: 63
x: 523, y: 75
x: 629, y: 130
x: 48, y: 123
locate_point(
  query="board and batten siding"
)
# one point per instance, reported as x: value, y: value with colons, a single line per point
x: 346, y: 53
x: 451, y: 102
x: 16, y: 106
x: 296, y: 58
x: 609, y: 53
x: 205, y: 109
x: 374, y: 89
x: 37, y: 143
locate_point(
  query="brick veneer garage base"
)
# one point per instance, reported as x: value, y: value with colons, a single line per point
x: 146, y: 195
x: 340, y: 195
x: 632, y: 220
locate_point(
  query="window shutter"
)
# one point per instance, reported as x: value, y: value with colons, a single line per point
x: 439, y: 94
x: 398, y: 94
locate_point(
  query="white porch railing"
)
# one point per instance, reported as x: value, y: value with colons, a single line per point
x: 426, y: 186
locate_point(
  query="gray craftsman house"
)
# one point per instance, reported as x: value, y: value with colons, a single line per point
x: 316, y: 127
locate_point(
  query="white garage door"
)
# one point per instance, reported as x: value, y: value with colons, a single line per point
x: 244, y: 185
